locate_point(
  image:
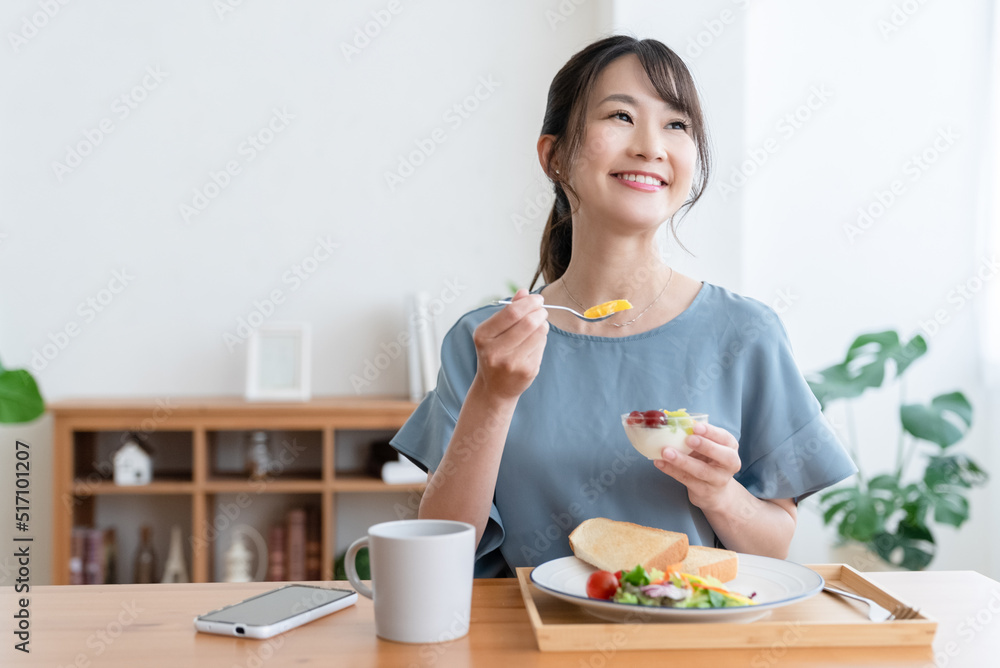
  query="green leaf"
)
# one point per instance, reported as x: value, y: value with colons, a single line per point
x: 864, y: 365
x: 832, y: 511
x: 874, y: 346
x: 916, y: 541
x: 906, y: 355
x: 20, y: 400
x: 838, y: 491
x: 835, y: 382
x: 950, y: 508
x: 957, y: 470
x: 362, y: 563
x: 885, y: 481
x: 861, y: 521
x: 956, y: 403
x: 932, y: 423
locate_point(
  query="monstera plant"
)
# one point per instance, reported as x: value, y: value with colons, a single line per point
x: 892, y: 512
x: 20, y: 400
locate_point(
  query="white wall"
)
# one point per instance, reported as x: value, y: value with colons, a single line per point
x: 892, y: 94
x: 875, y: 101
x: 446, y: 229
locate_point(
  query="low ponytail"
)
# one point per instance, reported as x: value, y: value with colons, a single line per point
x: 557, y: 240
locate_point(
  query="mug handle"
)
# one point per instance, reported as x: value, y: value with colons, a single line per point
x: 351, y: 567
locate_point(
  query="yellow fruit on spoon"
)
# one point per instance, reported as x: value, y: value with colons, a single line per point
x: 607, y: 308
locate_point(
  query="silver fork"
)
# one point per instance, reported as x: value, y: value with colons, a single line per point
x: 564, y: 308
x: 876, y: 612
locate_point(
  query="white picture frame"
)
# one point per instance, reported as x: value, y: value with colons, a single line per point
x: 278, y: 362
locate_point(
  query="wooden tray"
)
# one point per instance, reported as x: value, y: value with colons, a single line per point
x: 825, y: 620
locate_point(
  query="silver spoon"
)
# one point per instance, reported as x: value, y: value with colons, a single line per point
x: 565, y: 308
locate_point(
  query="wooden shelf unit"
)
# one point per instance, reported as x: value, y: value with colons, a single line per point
x: 77, y: 422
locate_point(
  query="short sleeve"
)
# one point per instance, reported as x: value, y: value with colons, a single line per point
x: 787, y: 447
x: 426, y: 434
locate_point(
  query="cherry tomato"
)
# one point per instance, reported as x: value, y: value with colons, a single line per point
x: 602, y: 585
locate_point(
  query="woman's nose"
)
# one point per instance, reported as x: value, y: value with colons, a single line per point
x: 648, y: 143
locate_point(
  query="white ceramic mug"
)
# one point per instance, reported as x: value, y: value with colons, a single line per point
x: 421, y: 577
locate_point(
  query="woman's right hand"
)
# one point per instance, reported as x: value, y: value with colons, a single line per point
x: 509, y: 346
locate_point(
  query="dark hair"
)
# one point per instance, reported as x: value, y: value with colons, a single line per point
x: 565, y: 118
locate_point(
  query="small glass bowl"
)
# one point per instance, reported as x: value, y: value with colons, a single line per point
x: 650, y: 440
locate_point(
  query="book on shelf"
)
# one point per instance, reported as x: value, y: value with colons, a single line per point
x: 295, y: 547
x: 313, y: 547
x: 93, y: 556
x: 276, y: 553
x: 296, y: 550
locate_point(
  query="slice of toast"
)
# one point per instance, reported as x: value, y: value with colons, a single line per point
x: 614, y: 546
x: 709, y: 561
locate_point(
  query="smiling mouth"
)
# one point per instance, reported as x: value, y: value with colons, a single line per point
x: 640, y: 178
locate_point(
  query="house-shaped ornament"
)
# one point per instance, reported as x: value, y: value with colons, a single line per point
x: 133, y: 463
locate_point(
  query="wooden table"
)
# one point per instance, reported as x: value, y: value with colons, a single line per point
x: 151, y: 625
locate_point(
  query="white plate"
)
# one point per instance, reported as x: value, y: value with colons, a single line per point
x: 777, y: 583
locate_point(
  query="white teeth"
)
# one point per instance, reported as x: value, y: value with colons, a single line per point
x: 639, y: 178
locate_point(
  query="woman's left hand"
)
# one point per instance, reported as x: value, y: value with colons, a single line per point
x: 708, y: 471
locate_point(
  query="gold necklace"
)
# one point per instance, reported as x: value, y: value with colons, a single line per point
x: 622, y: 324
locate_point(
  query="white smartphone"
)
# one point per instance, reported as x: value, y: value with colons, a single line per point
x: 275, y: 611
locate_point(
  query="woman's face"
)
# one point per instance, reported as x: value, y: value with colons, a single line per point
x: 631, y: 131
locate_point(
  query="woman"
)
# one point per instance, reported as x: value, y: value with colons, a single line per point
x: 522, y: 436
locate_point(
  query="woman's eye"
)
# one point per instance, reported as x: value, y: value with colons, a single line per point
x: 624, y: 115
x: 679, y: 125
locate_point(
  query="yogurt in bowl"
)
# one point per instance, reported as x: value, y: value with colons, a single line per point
x: 651, y: 431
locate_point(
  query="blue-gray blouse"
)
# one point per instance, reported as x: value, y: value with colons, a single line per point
x: 567, y: 458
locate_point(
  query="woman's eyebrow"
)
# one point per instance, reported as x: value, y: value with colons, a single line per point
x: 620, y: 97
x: 628, y: 99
